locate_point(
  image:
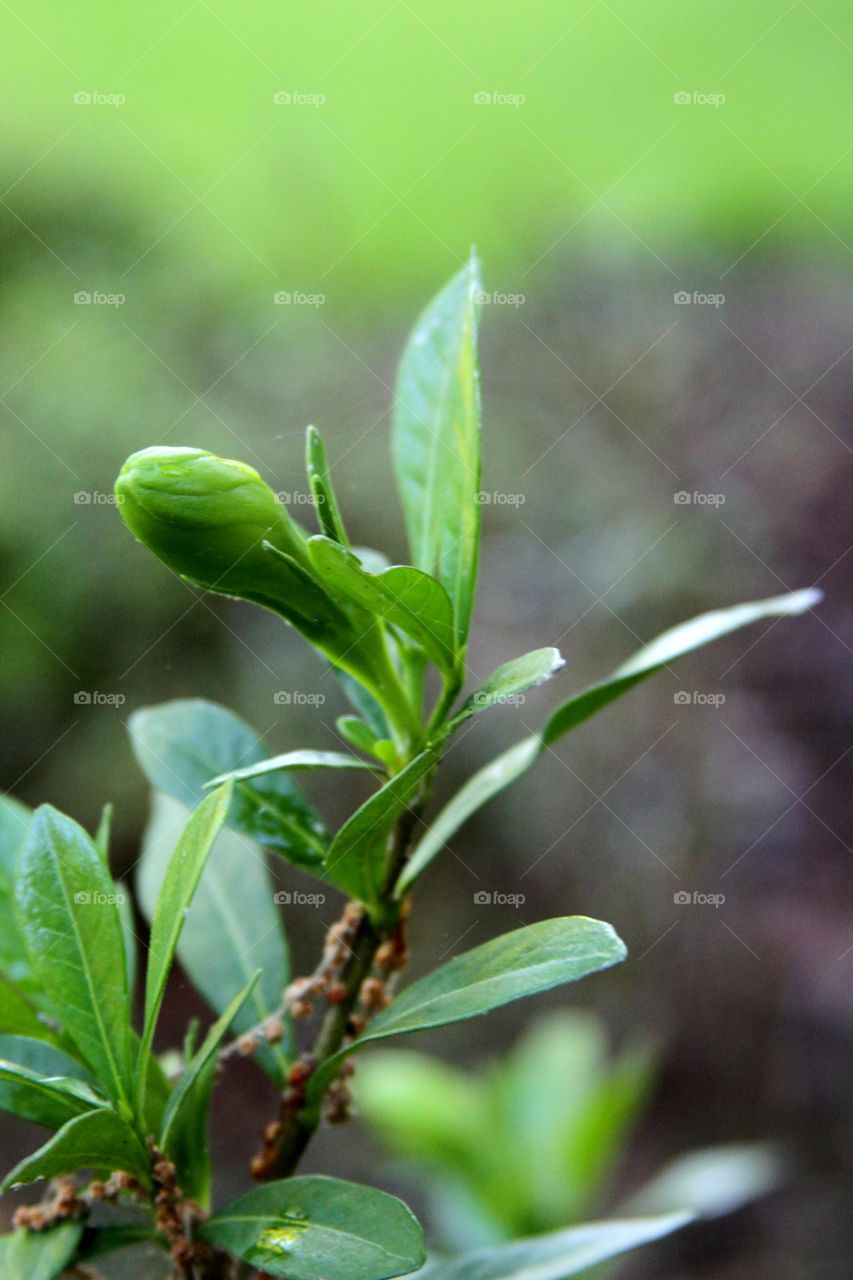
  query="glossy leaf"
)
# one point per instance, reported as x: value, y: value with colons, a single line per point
x: 98, y: 1140
x: 558, y: 1254
x: 511, y: 764
x: 293, y: 760
x: 320, y: 483
x: 303, y: 1228
x: 181, y: 745
x: 233, y: 927
x: 357, y: 858
x: 50, y: 1101
x: 511, y: 680
x: 44, y: 1058
x: 69, y: 918
x: 176, y: 893
x: 436, y: 441
x: 520, y: 963
x: 15, y: 821
x: 39, y: 1255
x: 405, y: 597
x: 18, y: 1017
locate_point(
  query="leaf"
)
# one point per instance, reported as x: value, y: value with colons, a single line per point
x: 69, y: 918
x: 511, y: 764
x: 51, y: 1101
x: 128, y: 930
x: 357, y: 858
x: 39, y: 1255
x: 44, y: 1058
x: 100, y: 1140
x: 294, y: 760
x: 176, y: 893
x: 181, y: 745
x: 511, y: 680
x: 320, y: 482
x: 405, y: 597
x: 102, y: 835
x: 183, y: 1136
x: 19, y: 1018
x: 712, y: 1181
x: 357, y: 734
x: 303, y: 1228
x: 520, y: 963
x: 233, y: 927
x: 365, y: 704
x: 476, y: 792
x: 558, y: 1254
x: 15, y: 821
x: 436, y: 441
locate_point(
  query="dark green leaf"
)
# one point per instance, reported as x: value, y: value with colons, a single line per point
x: 320, y: 482
x: 520, y: 963
x: 405, y: 597
x: 436, y: 441
x: 511, y: 680
x: 15, y: 821
x: 559, y: 1254
x: 303, y: 1228
x: 294, y: 760
x: 181, y: 745
x: 51, y: 1101
x: 39, y: 1255
x: 176, y: 893
x: 18, y: 1017
x: 69, y: 918
x: 99, y: 1140
x: 357, y: 859
x: 233, y: 927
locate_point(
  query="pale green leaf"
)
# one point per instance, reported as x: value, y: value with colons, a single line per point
x: 39, y: 1255
x: 304, y: 759
x: 511, y: 680
x: 320, y: 483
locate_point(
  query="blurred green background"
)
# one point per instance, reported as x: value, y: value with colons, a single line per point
x: 168, y: 171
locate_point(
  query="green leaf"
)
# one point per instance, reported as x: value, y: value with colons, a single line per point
x: 184, y: 1132
x: 357, y: 734
x: 18, y: 1017
x: 51, y: 1101
x: 44, y: 1058
x: 712, y: 1181
x: 99, y: 1140
x: 520, y: 963
x: 436, y: 442
x: 511, y: 764
x: 102, y: 835
x: 69, y: 918
x: 181, y: 745
x: 511, y: 680
x: 476, y: 792
x: 128, y: 931
x: 176, y: 893
x: 305, y: 759
x: 558, y: 1254
x: 405, y: 597
x: 357, y: 858
x: 233, y: 927
x: 365, y: 704
x: 39, y: 1255
x: 15, y: 821
x: 320, y: 482
x: 303, y: 1228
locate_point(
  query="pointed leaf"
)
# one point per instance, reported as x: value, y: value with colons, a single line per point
x: 558, y: 1254
x: 102, y: 835
x: 50, y: 1101
x: 406, y: 597
x: 436, y: 441
x: 520, y: 963
x: 511, y: 680
x: 294, y: 760
x: 98, y: 1140
x: 69, y: 918
x: 39, y: 1255
x: 15, y: 822
x: 320, y: 482
x: 303, y: 1228
x: 181, y: 745
x: 357, y: 859
x: 233, y: 927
